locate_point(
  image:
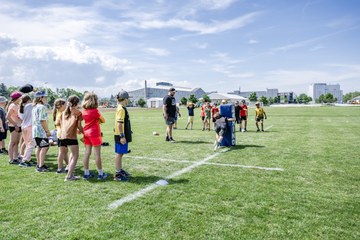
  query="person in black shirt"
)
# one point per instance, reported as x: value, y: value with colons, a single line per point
x: 237, y: 113
x: 169, y: 111
x: 190, y: 108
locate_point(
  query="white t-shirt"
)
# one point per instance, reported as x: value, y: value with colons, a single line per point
x: 26, y: 117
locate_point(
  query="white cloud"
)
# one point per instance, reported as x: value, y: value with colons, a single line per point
x: 201, y: 45
x: 253, y: 41
x: 216, y: 4
x: 157, y: 51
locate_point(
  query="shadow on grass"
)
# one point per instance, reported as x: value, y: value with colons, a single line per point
x: 242, y: 146
x: 139, y: 180
x: 193, y: 141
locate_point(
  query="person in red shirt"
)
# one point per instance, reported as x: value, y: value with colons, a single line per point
x: 202, y: 116
x: 214, y: 110
x: 92, y: 134
x: 243, y: 115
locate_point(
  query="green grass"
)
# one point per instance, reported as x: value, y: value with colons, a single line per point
x: 316, y: 196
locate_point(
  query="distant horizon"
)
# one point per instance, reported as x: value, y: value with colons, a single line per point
x: 218, y: 45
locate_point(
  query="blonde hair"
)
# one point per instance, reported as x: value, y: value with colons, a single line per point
x: 90, y: 101
x: 57, y: 105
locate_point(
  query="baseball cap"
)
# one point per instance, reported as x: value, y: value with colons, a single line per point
x: 2, y: 99
x: 257, y: 103
x: 172, y: 89
x: 123, y: 95
x: 40, y: 94
x: 15, y: 95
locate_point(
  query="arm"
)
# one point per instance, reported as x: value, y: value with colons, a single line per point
x: 101, y: 119
x: 8, y: 117
x: 1, y: 126
x: 45, y: 127
x: 80, y: 127
x: 165, y: 112
x: 120, y: 126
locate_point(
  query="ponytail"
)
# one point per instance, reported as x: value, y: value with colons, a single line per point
x: 24, y: 100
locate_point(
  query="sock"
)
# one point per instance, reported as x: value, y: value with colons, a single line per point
x: 86, y: 172
x: 100, y: 172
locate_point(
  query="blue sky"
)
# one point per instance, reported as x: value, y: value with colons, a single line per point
x: 219, y: 45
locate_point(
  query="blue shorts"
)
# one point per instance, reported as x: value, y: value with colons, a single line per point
x: 121, y: 148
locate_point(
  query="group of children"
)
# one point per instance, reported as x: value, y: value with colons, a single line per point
x: 27, y: 122
x: 208, y: 113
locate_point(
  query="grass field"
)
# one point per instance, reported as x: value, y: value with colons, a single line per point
x: 217, y: 196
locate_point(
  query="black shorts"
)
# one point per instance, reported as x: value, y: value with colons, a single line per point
x: 11, y: 129
x: 3, y: 135
x: 260, y: 119
x: 220, y: 131
x: 42, y: 142
x: 243, y: 118
x: 238, y: 119
x: 170, y: 121
x: 67, y: 142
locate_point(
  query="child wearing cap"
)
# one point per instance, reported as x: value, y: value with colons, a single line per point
x: 40, y: 129
x: 14, y: 123
x: 122, y: 135
x: 3, y: 125
x: 259, y: 116
x: 92, y: 134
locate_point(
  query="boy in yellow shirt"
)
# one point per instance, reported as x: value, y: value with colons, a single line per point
x: 259, y: 116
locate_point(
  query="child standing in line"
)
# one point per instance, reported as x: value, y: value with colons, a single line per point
x: 243, y: 115
x: 122, y: 135
x: 207, y: 111
x: 214, y: 110
x: 25, y: 113
x: 259, y: 116
x: 202, y: 116
x: 14, y: 123
x: 92, y: 134
x: 3, y: 126
x: 40, y: 129
x: 70, y: 123
x: 220, y: 128
x: 59, y: 108
x: 190, y: 108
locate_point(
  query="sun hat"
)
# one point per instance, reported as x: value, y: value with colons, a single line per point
x: 2, y: 99
x: 257, y: 103
x: 15, y: 95
x: 123, y: 95
x: 40, y: 94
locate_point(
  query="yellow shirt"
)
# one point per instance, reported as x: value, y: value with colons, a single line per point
x: 259, y: 112
x: 58, y: 127
x: 119, y: 117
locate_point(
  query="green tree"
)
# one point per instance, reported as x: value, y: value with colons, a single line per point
x: 303, y: 98
x: 206, y: 98
x: 51, y: 96
x: 264, y: 100
x: 347, y: 97
x: 253, y: 97
x: 271, y: 100
x: 183, y: 101
x: 3, y: 90
x: 193, y: 99
x: 326, y: 98
x: 67, y: 92
x: 141, y: 102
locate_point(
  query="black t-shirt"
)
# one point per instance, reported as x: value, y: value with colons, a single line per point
x: 237, y: 111
x: 170, y: 103
x: 191, y: 110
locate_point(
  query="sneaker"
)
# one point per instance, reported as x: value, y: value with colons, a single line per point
x: 73, y: 178
x: 120, y: 177
x: 4, y: 151
x: 25, y: 164
x: 262, y: 130
x: 41, y: 169
x: 102, y: 177
x: 59, y: 171
x: 172, y: 140
x: 46, y: 167
x: 88, y: 176
x: 125, y: 173
x: 258, y: 130
x: 217, y: 145
x: 14, y: 161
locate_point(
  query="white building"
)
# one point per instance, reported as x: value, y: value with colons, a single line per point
x: 218, y: 97
x: 316, y: 89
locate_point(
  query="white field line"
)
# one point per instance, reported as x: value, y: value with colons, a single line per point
x: 268, y: 127
x: 206, y: 163
x: 153, y: 186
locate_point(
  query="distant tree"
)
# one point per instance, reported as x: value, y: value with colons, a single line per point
x: 67, y: 92
x: 141, y: 102
x: 271, y: 100
x: 51, y: 96
x: 326, y: 98
x: 253, y: 97
x: 347, y: 97
x: 3, y: 90
x: 183, y: 101
x: 303, y: 98
x: 12, y: 89
x: 193, y: 99
x: 206, y: 98
x: 264, y: 100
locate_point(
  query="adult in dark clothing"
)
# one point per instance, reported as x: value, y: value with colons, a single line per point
x: 237, y: 113
x: 169, y: 111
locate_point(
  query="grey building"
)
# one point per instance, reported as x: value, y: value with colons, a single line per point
x: 316, y: 89
x: 161, y: 89
x: 273, y: 93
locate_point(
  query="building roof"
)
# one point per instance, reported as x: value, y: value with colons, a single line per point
x: 226, y: 96
x: 355, y: 98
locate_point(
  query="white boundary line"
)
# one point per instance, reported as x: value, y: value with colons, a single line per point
x: 153, y: 186
x: 206, y: 163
